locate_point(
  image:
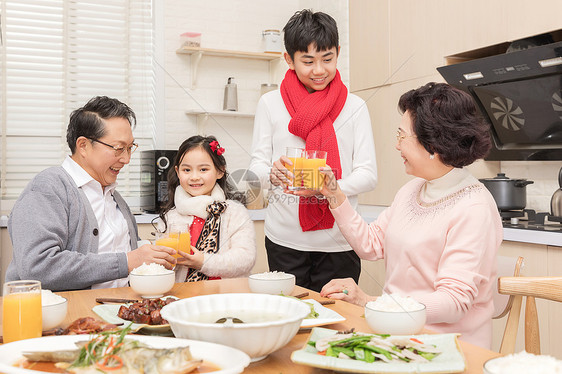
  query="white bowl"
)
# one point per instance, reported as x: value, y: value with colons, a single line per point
x: 54, y: 314
x: 152, y: 285
x: 274, y: 286
x: 396, y: 323
x: 522, y: 362
x: 270, y: 321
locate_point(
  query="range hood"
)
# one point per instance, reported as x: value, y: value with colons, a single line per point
x: 520, y: 95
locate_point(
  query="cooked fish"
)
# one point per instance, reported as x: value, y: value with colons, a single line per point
x: 134, y: 357
x: 145, y: 360
x: 52, y: 356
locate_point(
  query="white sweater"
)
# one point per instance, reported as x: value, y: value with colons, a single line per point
x: 357, y: 157
x: 237, y: 243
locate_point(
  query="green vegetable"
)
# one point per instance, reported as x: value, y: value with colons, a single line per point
x: 101, y: 347
x: 360, y: 347
x: 313, y: 313
x: 427, y: 355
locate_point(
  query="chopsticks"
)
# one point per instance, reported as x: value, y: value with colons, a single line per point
x: 322, y: 302
x: 103, y: 300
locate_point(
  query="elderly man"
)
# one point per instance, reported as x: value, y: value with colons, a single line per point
x: 70, y: 228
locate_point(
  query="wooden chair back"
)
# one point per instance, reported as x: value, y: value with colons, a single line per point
x: 549, y: 288
x: 507, y: 267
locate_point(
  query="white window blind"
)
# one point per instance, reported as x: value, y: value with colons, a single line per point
x: 56, y: 55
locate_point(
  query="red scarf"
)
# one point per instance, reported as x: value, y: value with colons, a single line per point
x: 312, y: 119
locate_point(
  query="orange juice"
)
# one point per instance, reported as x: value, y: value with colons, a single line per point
x: 169, y: 241
x: 21, y: 316
x: 184, y: 242
x: 296, y: 169
x: 312, y: 178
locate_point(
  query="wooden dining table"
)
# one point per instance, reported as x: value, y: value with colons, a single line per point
x: 80, y: 304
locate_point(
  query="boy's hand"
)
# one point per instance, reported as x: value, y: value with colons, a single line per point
x: 279, y: 175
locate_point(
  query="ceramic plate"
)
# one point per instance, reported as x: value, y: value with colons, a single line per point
x: 326, y: 316
x: 230, y: 360
x: 451, y: 360
x: 108, y: 312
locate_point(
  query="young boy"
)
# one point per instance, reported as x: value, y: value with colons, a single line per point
x: 312, y: 110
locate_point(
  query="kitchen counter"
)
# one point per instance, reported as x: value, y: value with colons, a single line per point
x: 371, y: 212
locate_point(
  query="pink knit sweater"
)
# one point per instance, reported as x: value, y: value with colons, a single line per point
x: 442, y: 253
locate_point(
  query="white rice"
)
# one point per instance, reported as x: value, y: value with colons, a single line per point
x: 524, y: 363
x: 395, y: 303
x: 272, y: 275
x: 50, y: 298
x: 150, y: 269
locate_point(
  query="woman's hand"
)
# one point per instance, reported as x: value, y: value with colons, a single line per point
x: 330, y: 189
x: 279, y: 175
x: 194, y: 261
x: 150, y: 253
x: 346, y: 290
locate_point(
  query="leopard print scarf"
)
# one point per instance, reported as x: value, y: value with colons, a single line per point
x: 209, y: 239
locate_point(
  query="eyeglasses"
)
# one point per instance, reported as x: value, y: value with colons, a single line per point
x: 119, y: 150
x: 401, y: 135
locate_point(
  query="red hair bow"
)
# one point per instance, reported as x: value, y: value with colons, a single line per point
x: 215, y: 147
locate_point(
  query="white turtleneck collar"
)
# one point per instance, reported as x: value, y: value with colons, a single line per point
x: 453, y: 181
x: 188, y: 205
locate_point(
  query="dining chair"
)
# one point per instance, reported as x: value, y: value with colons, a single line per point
x: 549, y: 288
x: 503, y: 304
x: 507, y: 266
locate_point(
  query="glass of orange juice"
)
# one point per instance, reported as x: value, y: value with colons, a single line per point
x: 312, y: 178
x: 168, y: 239
x: 177, y: 238
x: 21, y: 310
x: 296, y: 155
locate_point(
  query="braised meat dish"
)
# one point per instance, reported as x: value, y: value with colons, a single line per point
x: 146, y: 311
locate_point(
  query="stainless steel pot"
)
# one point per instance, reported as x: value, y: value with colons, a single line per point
x: 510, y: 194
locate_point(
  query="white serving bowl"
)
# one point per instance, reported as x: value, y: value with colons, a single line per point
x: 270, y: 321
x: 284, y: 284
x: 54, y: 314
x: 152, y: 285
x: 396, y: 323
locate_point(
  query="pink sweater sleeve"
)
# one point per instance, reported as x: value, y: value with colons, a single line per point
x: 365, y: 239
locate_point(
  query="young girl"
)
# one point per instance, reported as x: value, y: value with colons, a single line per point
x: 222, y: 233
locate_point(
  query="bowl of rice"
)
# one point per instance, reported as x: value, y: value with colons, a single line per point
x: 53, y: 309
x: 151, y: 280
x: 396, y: 315
x: 272, y: 282
x: 523, y: 363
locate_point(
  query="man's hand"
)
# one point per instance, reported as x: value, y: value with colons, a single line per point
x: 150, y: 253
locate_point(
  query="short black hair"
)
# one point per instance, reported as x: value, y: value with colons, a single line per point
x: 87, y: 121
x: 306, y: 27
x: 446, y: 122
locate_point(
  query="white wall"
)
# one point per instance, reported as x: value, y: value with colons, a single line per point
x: 229, y: 25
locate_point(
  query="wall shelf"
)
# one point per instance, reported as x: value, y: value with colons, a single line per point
x: 203, y: 116
x: 196, y: 53
x: 223, y: 113
x: 227, y: 53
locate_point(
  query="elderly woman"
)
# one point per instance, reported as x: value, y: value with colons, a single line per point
x: 440, y: 236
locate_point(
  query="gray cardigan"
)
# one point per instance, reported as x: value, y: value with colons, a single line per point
x: 54, y: 235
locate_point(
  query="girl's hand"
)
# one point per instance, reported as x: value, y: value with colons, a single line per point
x: 279, y: 175
x: 346, y: 290
x: 194, y: 261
